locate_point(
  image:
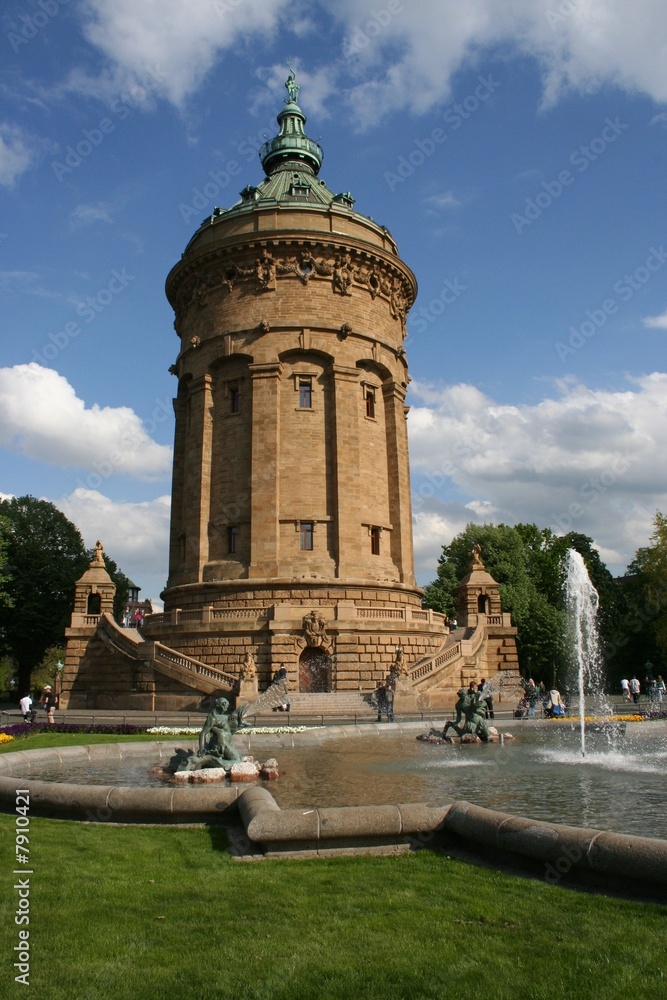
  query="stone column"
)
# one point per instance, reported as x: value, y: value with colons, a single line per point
x: 398, y: 465
x: 265, y: 478
x: 197, y: 479
x: 347, y: 486
x: 177, y: 526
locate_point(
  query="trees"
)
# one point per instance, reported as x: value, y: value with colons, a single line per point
x: 5, y: 597
x: 45, y: 557
x: 527, y: 562
x: 645, y: 593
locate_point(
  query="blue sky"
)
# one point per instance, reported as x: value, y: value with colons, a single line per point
x: 516, y: 151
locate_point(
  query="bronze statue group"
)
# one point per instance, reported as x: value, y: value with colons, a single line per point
x: 472, y: 709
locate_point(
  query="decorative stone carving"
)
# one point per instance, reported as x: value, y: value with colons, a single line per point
x: 342, y: 273
x: 398, y: 303
x: 399, y: 668
x: 248, y: 668
x: 195, y: 342
x: 265, y: 270
x: 99, y: 549
x: 340, y: 267
x: 476, y: 562
x: 315, y: 630
x: 345, y: 330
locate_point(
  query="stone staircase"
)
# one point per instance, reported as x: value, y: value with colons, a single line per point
x: 331, y: 703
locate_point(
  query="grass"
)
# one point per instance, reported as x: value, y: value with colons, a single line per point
x: 143, y: 912
x: 41, y: 740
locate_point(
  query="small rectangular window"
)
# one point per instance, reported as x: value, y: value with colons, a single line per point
x: 375, y: 541
x: 305, y: 393
x: 370, y: 403
x: 232, y: 537
x: 306, y: 535
x: 234, y: 398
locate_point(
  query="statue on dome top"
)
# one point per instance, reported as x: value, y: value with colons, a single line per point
x: 292, y: 87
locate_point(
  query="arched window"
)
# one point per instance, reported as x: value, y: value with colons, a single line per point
x: 94, y: 604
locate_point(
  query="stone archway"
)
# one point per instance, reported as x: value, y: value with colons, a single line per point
x: 314, y: 670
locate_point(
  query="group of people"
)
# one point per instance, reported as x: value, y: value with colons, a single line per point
x: 653, y: 686
x: 131, y: 620
x: 48, y: 702
x: 382, y: 700
x: 553, y: 704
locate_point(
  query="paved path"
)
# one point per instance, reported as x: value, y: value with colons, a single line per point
x: 10, y: 715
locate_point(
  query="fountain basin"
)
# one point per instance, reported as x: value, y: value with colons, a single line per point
x: 306, y: 830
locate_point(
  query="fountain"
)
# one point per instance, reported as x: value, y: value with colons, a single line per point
x: 359, y: 774
x: 582, y: 602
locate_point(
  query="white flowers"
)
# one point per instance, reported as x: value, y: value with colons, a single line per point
x: 251, y: 731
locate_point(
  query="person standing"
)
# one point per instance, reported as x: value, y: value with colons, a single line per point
x: 484, y: 689
x: 625, y: 690
x: 660, y: 688
x: 531, y: 697
x: 635, y: 688
x: 49, y: 702
x: 27, y: 711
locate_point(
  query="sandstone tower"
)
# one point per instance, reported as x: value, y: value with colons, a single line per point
x: 291, y: 489
x: 291, y: 525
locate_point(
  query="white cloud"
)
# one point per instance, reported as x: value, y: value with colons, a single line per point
x: 134, y: 535
x: 656, y: 322
x: 600, y: 42
x: 177, y: 42
x: 42, y: 418
x: 85, y: 215
x: 443, y: 201
x: 583, y: 461
x: 18, y: 153
x: 387, y: 61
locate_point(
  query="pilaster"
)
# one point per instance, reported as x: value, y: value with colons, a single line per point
x: 265, y: 475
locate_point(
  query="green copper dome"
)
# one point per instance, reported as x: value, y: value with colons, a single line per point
x: 291, y: 143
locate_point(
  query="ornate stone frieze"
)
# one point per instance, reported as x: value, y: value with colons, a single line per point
x: 347, y: 271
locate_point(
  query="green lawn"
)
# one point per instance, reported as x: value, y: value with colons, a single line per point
x: 40, y: 740
x: 146, y: 912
